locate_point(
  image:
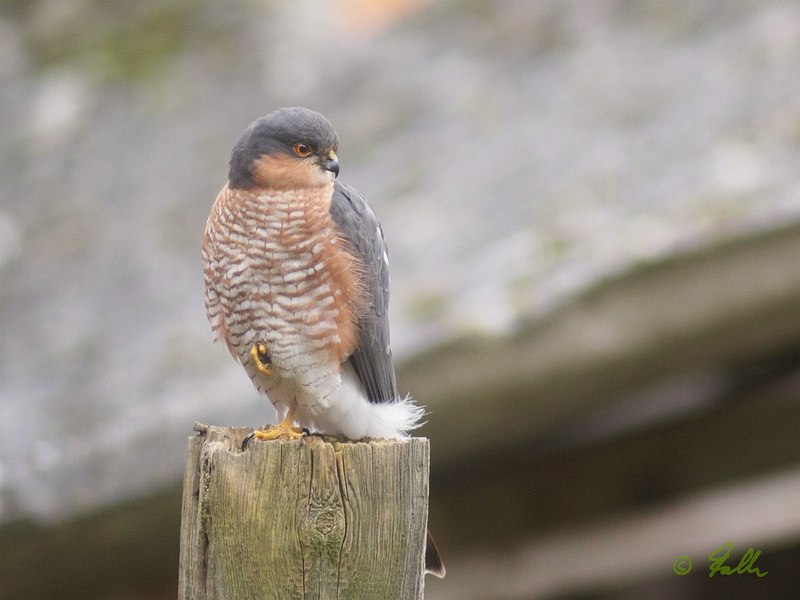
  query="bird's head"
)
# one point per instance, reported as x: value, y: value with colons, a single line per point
x: 289, y: 148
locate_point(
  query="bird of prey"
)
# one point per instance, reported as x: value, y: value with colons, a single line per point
x: 297, y: 286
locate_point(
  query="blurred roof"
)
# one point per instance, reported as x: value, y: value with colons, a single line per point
x: 519, y: 154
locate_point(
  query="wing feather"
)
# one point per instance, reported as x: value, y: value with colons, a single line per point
x: 372, y: 357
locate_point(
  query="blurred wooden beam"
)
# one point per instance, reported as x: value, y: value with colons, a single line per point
x: 640, y: 546
x: 705, y: 310
x: 129, y: 550
x: 527, y: 489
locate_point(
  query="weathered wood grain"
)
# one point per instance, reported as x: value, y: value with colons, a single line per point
x: 302, y: 519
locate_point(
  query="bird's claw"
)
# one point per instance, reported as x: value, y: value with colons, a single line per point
x: 261, y: 358
x: 285, y: 430
x: 276, y: 432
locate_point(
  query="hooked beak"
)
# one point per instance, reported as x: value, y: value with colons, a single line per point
x: 332, y: 163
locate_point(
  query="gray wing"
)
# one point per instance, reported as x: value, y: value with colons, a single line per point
x: 372, y: 358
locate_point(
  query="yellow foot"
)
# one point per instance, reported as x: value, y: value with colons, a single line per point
x: 262, y: 359
x: 285, y: 430
x: 278, y: 432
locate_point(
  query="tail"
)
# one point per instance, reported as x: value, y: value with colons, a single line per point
x: 433, y: 561
x: 394, y: 419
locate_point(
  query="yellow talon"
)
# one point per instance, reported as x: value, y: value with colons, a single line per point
x: 285, y: 430
x: 262, y: 359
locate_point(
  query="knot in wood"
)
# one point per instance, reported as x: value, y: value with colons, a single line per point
x: 325, y: 522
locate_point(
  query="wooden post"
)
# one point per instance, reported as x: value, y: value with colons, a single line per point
x: 303, y: 519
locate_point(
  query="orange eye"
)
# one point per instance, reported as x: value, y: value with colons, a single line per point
x: 302, y: 150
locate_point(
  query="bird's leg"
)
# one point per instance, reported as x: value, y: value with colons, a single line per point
x: 261, y: 358
x: 285, y: 430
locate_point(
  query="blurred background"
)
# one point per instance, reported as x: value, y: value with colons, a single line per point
x: 593, y: 211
